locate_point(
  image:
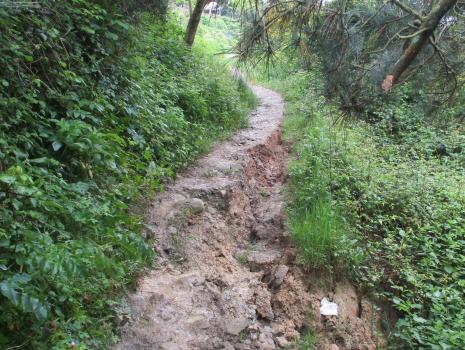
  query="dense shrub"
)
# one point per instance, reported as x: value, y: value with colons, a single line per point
x: 94, y: 112
x: 397, y: 183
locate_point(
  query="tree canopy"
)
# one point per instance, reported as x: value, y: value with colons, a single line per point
x: 364, y: 47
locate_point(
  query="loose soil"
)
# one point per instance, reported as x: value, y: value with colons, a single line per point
x: 225, y: 276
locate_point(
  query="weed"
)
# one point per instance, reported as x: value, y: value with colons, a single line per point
x: 230, y: 171
x: 210, y: 173
x: 243, y: 335
x: 243, y: 257
x: 307, y: 341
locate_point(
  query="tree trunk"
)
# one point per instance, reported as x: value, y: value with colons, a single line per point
x: 427, y: 27
x: 189, y: 3
x: 194, y: 21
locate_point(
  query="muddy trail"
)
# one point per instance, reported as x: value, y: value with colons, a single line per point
x: 225, y: 276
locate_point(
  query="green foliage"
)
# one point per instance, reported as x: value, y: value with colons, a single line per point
x: 95, y: 113
x: 357, y: 44
x: 308, y: 341
x: 413, y: 210
x: 397, y: 181
x: 316, y: 224
x: 218, y: 33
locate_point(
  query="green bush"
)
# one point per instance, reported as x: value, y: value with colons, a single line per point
x: 95, y: 112
x: 385, y: 199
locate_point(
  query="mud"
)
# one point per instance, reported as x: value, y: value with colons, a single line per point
x: 225, y: 277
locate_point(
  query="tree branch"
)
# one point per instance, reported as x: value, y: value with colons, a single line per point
x: 429, y: 24
x: 408, y: 9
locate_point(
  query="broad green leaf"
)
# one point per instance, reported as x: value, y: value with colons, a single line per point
x: 8, y: 179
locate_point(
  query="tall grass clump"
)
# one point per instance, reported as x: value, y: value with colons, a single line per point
x: 318, y: 234
x: 317, y: 226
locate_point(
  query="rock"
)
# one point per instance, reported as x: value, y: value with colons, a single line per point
x: 282, y: 342
x: 196, y: 322
x: 286, y: 330
x: 330, y: 322
x: 196, y: 205
x: 166, y: 315
x: 346, y: 297
x: 265, y: 341
x: 260, y: 260
x: 263, y: 302
x: 333, y: 347
x: 260, y: 231
x: 228, y: 346
x: 236, y: 325
x: 279, y: 276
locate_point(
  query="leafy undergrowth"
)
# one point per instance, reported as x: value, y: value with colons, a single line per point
x: 96, y: 111
x: 385, y: 200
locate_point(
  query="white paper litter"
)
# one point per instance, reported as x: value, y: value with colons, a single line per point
x: 328, y: 308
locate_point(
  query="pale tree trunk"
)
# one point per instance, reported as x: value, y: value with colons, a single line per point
x: 189, y: 3
x: 194, y: 21
x: 428, y: 24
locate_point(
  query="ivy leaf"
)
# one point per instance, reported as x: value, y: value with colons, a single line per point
x: 8, y: 291
x: 449, y: 269
x: 21, y: 278
x: 419, y: 319
x: 88, y: 29
x: 7, y: 179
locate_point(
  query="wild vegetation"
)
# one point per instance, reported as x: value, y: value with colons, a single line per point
x: 382, y: 203
x: 377, y: 193
x: 101, y: 103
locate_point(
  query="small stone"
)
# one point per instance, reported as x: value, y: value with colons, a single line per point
x: 260, y: 231
x: 235, y: 326
x: 333, y: 347
x: 263, y: 302
x: 330, y: 322
x: 282, y: 342
x: 196, y: 322
x: 279, y: 276
x: 228, y: 346
x: 196, y: 205
x: 166, y: 316
x: 260, y: 260
x: 265, y: 342
x: 253, y: 328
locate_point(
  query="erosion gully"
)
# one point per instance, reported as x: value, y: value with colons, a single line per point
x: 225, y: 275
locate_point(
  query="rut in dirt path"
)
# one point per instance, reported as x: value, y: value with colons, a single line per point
x: 224, y: 277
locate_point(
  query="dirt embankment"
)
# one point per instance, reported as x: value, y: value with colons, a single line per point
x: 225, y: 276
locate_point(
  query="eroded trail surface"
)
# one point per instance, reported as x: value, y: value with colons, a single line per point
x: 225, y: 276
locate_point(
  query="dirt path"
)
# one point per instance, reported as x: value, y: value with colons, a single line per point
x: 224, y: 277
